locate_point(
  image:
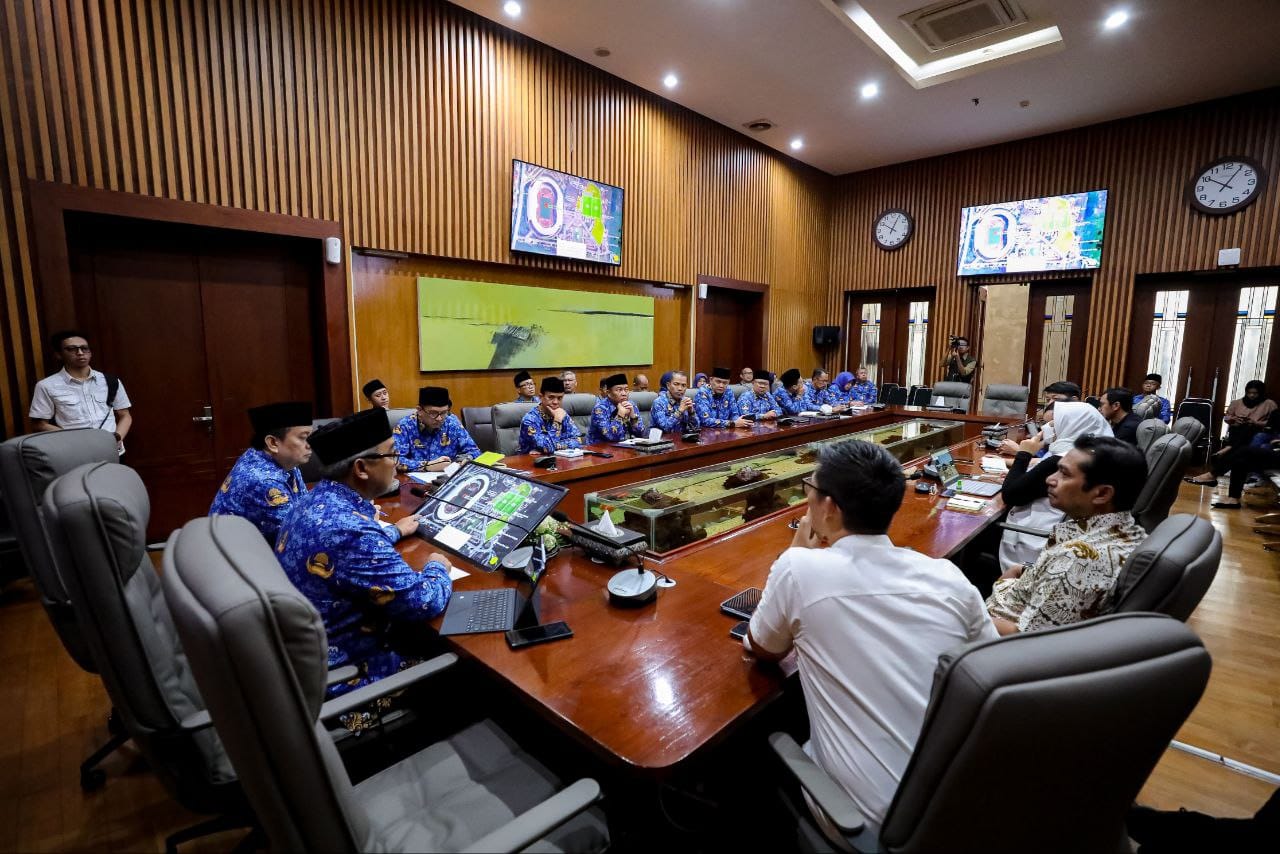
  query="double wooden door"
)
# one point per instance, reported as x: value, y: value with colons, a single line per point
x: 887, y: 333
x: 200, y: 325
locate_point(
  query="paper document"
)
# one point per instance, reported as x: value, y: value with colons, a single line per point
x: 994, y: 465
x: 455, y: 573
x: 569, y: 452
x: 452, y: 537
x: 966, y: 504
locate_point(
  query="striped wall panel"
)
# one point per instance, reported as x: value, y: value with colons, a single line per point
x: 1144, y: 163
x: 397, y: 118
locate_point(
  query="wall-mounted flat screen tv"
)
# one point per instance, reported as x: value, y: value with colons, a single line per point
x: 1032, y: 235
x: 565, y: 216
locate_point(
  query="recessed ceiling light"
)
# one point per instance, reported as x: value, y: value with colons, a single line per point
x: 1116, y: 19
x: 870, y: 90
x: 671, y: 81
x: 797, y: 144
x: 512, y: 8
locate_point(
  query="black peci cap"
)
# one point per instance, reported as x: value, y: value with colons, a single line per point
x: 554, y: 385
x: 277, y: 416
x: 356, y: 433
x: 521, y: 377
x: 434, y: 395
x: 790, y: 377
x: 615, y: 379
x: 371, y: 386
x: 721, y: 373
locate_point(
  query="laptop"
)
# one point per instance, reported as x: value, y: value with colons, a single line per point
x: 946, y: 468
x: 476, y: 611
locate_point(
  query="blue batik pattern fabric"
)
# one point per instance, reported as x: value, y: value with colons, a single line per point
x: 258, y: 490
x: 417, y: 447
x: 606, y: 426
x: 713, y: 410
x: 545, y: 435
x: 863, y: 392
x: 667, y: 417
x: 751, y: 403
x: 340, y: 558
x: 535, y: 401
x: 794, y: 405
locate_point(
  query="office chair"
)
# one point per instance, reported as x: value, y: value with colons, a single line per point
x: 506, y: 426
x: 97, y: 517
x: 896, y: 396
x: 1149, y: 430
x: 954, y: 395
x: 885, y: 391
x: 312, y: 467
x: 28, y: 464
x: 1167, y: 459
x: 1171, y: 570
x: 259, y: 652
x: 1201, y: 409
x: 1189, y: 427
x: 643, y: 401
x: 478, y: 422
x: 1083, y: 711
x: 1006, y: 400
x: 919, y: 395
x: 579, y: 407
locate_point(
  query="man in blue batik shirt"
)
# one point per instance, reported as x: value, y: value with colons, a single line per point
x: 547, y: 428
x: 758, y: 400
x: 863, y: 390
x: 524, y: 388
x: 1150, y: 389
x: 335, y: 552
x: 794, y: 397
x: 265, y: 482
x: 431, y: 438
x: 672, y: 412
x: 614, y: 417
x: 714, y: 404
x: 822, y: 393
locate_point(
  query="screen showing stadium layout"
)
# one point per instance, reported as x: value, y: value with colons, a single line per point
x: 553, y: 213
x: 482, y: 513
x: 1056, y: 233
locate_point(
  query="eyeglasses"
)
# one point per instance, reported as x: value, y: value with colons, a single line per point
x: 807, y: 480
x: 393, y: 455
x: 435, y: 413
x: 77, y: 348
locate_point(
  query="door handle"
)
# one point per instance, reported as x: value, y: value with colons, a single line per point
x: 206, y: 418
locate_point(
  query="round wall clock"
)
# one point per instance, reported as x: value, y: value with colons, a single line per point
x: 893, y: 229
x: 1226, y: 185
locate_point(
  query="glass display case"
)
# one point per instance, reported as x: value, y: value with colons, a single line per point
x: 680, y: 509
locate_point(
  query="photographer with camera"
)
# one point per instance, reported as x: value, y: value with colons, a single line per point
x: 959, y: 366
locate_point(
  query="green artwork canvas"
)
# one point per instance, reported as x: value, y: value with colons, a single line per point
x: 467, y: 326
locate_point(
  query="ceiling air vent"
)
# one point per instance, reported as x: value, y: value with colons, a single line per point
x: 953, y: 22
x: 759, y: 125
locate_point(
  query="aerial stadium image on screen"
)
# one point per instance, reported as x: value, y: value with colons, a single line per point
x: 493, y: 510
x: 553, y: 213
x: 1054, y: 233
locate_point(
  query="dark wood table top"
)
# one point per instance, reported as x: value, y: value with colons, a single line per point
x: 649, y: 686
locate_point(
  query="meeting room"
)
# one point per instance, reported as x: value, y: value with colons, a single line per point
x: 633, y: 425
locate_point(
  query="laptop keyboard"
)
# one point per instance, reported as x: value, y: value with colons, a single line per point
x: 492, y: 611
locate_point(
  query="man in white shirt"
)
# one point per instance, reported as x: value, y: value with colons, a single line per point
x: 867, y: 621
x: 78, y: 396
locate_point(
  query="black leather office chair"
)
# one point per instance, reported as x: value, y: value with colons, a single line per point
x: 1083, y: 712
x: 920, y: 395
x: 896, y: 396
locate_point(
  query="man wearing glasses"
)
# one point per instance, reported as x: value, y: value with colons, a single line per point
x: 337, y: 554
x: 866, y: 619
x: 79, y: 396
x: 431, y: 438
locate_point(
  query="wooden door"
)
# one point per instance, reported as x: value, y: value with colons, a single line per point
x: 730, y: 330
x: 880, y: 338
x: 1056, y: 310
x: 191, y: 318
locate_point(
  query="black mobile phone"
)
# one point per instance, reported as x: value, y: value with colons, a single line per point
x: 518, y: 638
x: 739, y: 630
x: 547, y: 462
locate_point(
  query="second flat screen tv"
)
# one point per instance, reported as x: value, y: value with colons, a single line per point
x: 564, y: 216
x: 1054, y: 233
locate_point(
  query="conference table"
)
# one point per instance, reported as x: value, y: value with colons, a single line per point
x: 649, y: 687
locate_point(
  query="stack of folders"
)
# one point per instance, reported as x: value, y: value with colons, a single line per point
x: 966, y: 504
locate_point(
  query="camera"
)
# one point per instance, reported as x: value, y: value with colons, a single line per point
x: 955, y: 341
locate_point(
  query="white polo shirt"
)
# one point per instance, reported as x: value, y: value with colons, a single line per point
x: 868, y: 621
x: 72, y: 403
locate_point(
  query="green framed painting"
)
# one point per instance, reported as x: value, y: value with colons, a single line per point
x: 468, y: 326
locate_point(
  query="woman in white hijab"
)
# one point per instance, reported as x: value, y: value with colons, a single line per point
x: 1025, y: 489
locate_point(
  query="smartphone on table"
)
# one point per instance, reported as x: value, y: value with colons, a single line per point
x: 520, y: 638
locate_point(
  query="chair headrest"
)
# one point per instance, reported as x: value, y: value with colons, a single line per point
x: 117, y: 499
x: 37, y: 458
x: 508, y: 415
x: 1000, y: 391
x: 946, y: 389
x: 643, y: 399
x: 1150, y: 430
x: 1160, y: 563
x: 227, y: 593
x: 579, y: 404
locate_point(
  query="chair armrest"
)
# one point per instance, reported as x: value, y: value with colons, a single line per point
x: 533, y: 824
x: 342, y: 674
x: 196, y: 721
x: 829, y: 797
x: 353, y: 700
x: 1022, y: 529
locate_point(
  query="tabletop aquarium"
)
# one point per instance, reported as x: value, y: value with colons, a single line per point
x: 680, y: 509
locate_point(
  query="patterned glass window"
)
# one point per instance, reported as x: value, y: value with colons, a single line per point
x: 917, y: 336
x: 1056, y: 349
x: 1252, y: 344
x: 870, y: 355
x: 1167, y: 329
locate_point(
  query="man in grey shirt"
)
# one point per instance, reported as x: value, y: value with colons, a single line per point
x: 78, y: 396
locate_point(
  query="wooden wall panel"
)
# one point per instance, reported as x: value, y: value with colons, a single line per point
x: 398, y: 119
x: 387, y: 327
x: 1144, y: 163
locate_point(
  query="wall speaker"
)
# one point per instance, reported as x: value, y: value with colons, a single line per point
x: 825, y: 337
